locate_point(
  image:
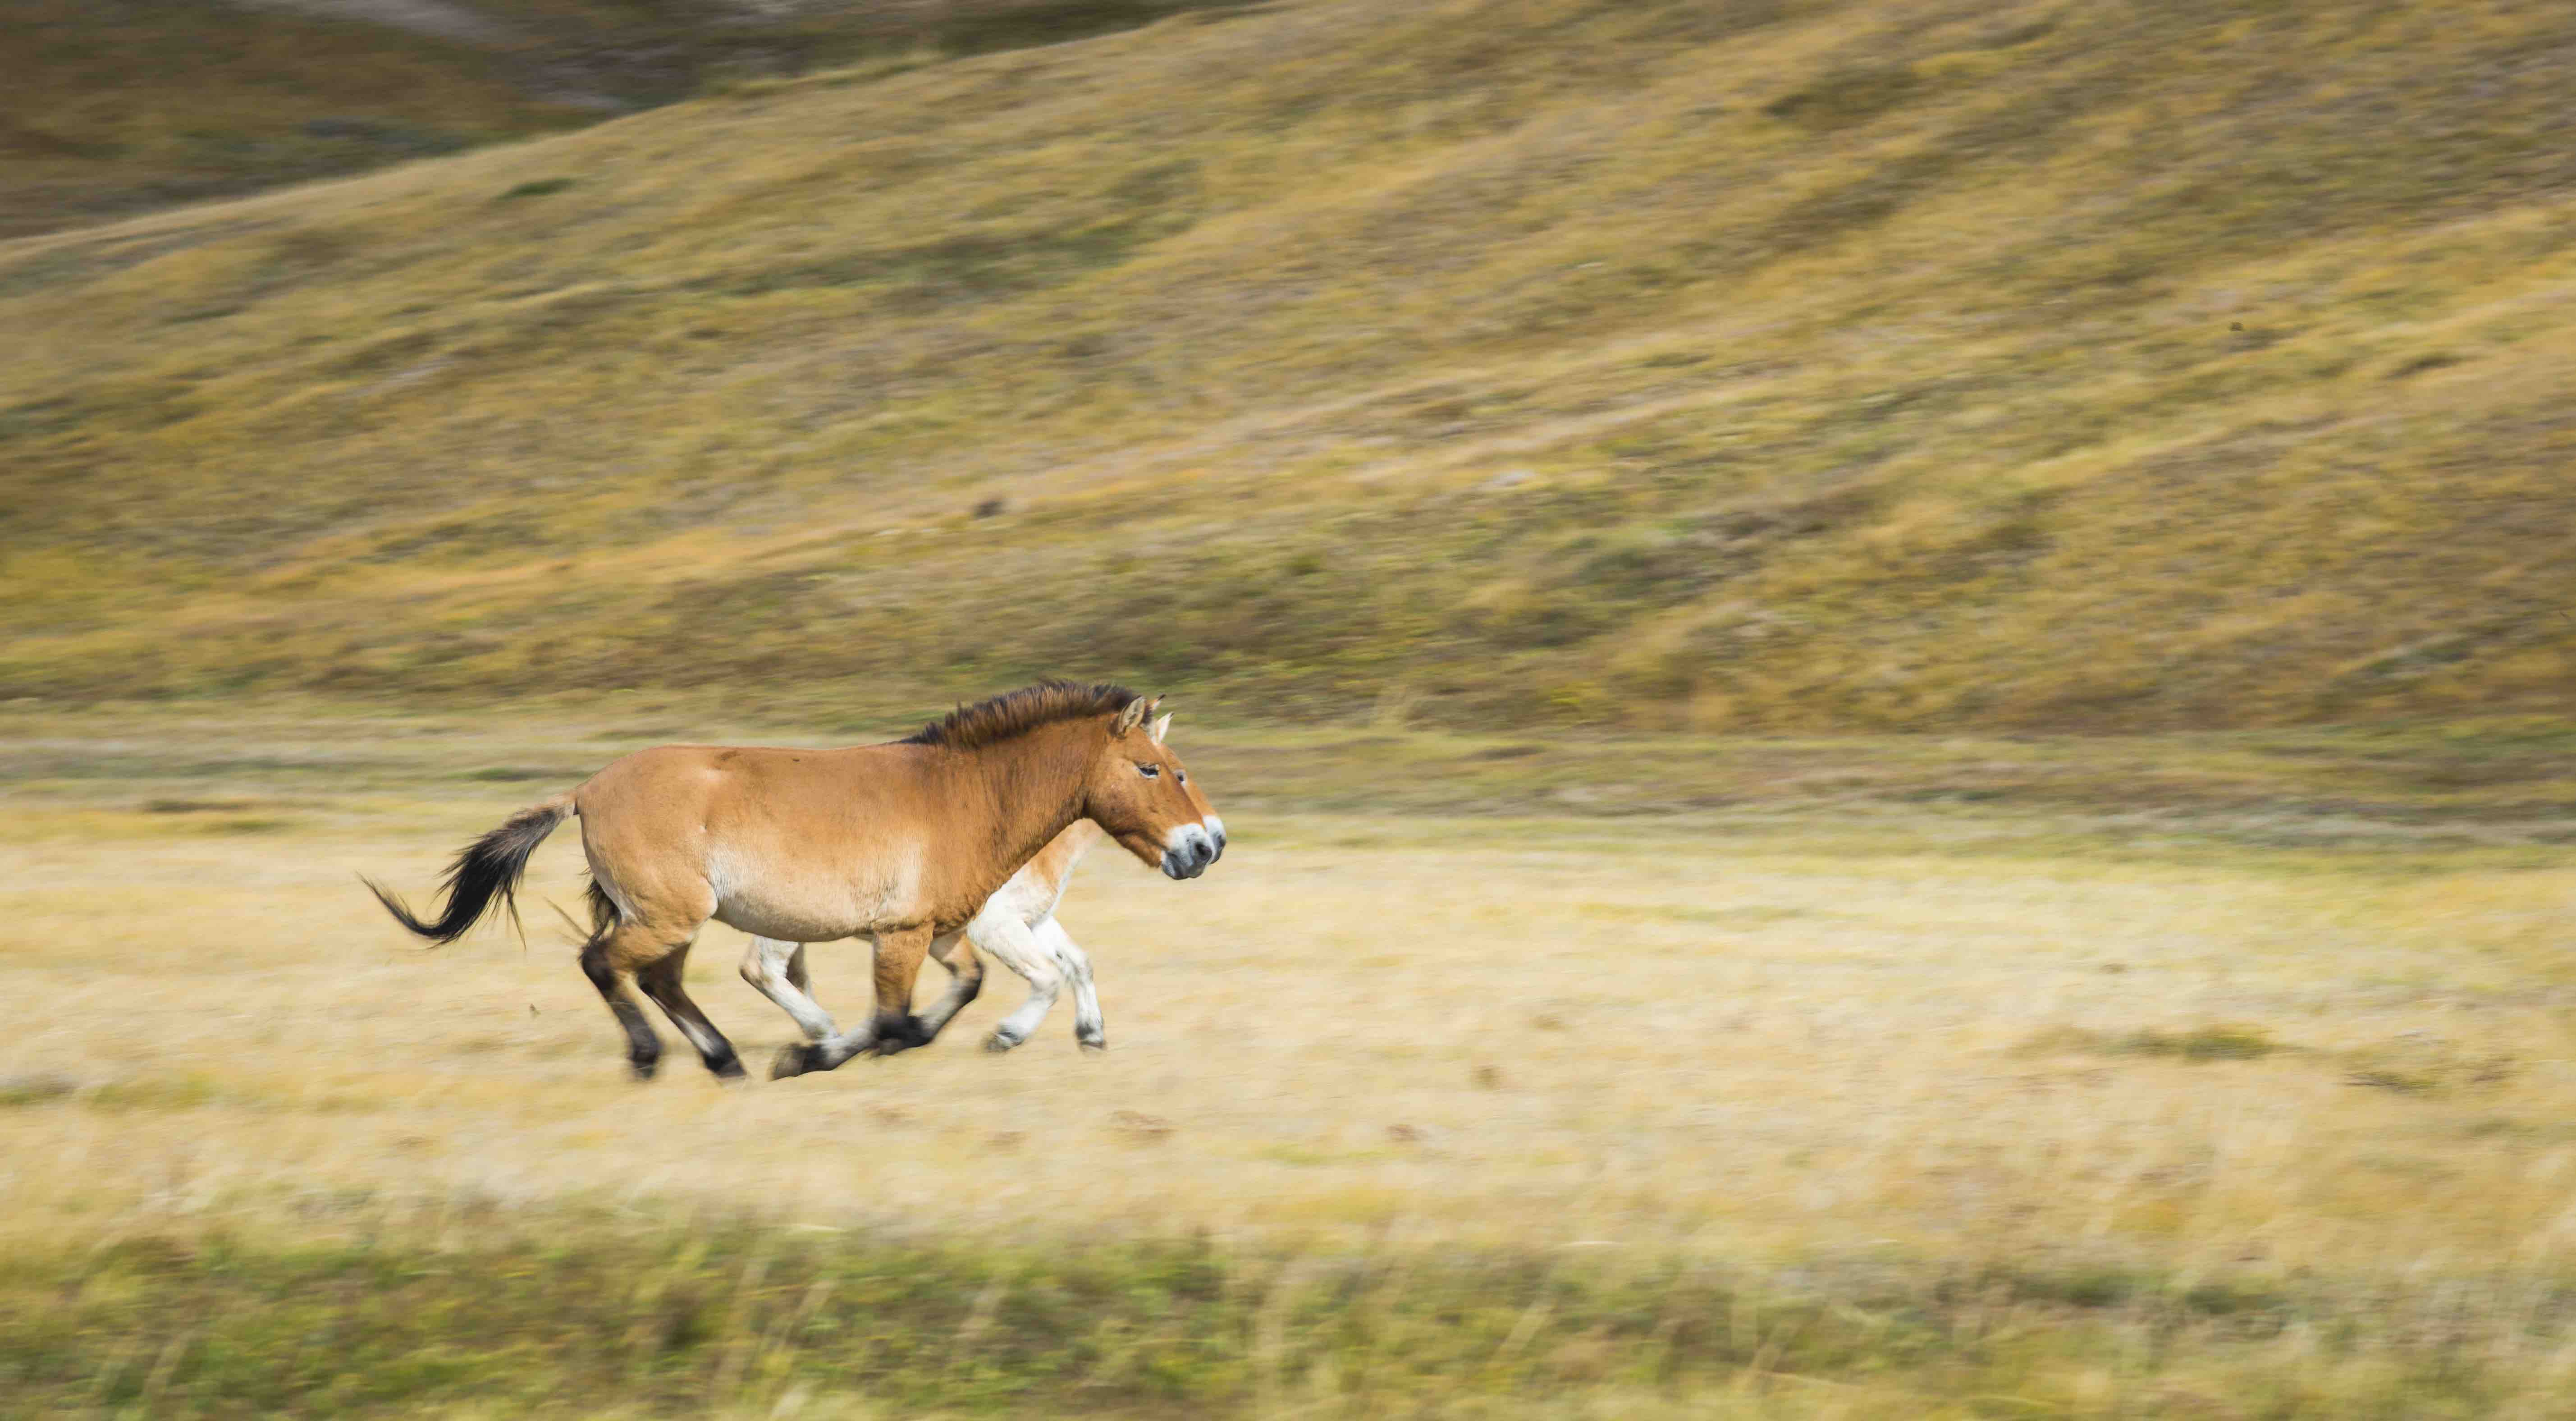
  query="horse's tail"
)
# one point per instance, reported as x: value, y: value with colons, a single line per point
x: 486, y: 869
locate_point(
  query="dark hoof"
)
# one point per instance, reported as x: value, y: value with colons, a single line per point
x: 794, y: 1061
x: 1093, y: 1043
x: 645, y: 1067
x: 727, y: 1070
x: 897, y: 1035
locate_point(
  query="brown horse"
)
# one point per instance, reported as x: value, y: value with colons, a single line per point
x: 900, y: 843
x: 1017, y: 928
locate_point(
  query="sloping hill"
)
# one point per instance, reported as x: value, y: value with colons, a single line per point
x: 1739, y: 365
x: 116, y: 107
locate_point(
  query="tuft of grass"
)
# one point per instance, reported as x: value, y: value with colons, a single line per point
x: 2202, y: 1043
x: 176, y: 1091
x: 250, y: 824
x: 536, y: 187
x: 38, y: 1088
x: 1846, y: 97
x: 2428, y: 1065
x: 520, y: 774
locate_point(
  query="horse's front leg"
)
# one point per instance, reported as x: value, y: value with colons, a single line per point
x: 1010, y: 942
x: 1088, y: 1027
x: 899, y: 954
x: 894, y: 1028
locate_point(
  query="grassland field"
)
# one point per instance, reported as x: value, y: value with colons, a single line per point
x: 1890, y: 680
x: 1546, y: 1075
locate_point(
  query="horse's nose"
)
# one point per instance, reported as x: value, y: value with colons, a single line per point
x: 1189, y: 853
x: 1216, y: 832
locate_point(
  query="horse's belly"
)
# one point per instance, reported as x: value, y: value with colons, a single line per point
x: 788, y: 910
x: 788, y: 907
x: 787, y: 922
x: 776, y: 897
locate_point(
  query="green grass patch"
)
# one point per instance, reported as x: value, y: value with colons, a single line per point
x: 36, y: 1089
x: 2202, y: 1043
x: 596, y: 1316
x: 536, y: 187
x: 522, y: 774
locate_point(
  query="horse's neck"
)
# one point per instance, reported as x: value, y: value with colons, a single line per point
x: 1034, y: 783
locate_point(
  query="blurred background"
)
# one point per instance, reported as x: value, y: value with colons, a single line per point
x: 1694, y: 366
x: 1893, y: 675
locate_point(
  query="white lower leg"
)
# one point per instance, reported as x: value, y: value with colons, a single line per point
x: 963, y: 984
x: 1008, y: 941
x: 1088, y: 1027
x: 765, y: 966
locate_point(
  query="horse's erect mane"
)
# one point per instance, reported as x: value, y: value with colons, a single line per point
x: 998, y: 718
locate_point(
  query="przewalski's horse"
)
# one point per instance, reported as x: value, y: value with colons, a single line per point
x: 1017, y: 927
x: 900, y: 843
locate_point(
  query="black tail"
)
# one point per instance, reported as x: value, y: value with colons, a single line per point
x: 603, y: 918
x: 488, y: 868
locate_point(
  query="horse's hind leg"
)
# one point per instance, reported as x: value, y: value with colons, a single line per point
x: 777, y: 971
x: 643, y: 1048
x: 965, y: 980
x: 661, y: 980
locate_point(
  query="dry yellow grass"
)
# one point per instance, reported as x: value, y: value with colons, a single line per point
x: 1822, y: 1042
x: 1874, y: 365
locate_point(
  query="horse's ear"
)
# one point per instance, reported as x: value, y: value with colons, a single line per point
x: 1130, y: 718
x: 1161, y: 727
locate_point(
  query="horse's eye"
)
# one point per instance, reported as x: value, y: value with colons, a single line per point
x: 1149, y: 771
x: 1182, y: 775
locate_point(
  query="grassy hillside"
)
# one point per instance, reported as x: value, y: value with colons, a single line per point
x: 116, y: 107
x: 119, y: 108
x: 1742, y: 365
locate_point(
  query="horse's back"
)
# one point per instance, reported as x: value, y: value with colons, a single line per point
x: 711, y: 782
x: 794, y: 844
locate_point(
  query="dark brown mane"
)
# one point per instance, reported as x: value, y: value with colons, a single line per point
x: 998, y: 718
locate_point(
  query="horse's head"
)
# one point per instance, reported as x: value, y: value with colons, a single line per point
x: 1142, y: 795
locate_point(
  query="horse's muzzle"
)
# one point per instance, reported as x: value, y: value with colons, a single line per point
x: 1189, y: 852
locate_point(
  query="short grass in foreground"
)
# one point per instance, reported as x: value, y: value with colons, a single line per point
x: 567, y: 1312
x: 1869, y: 1078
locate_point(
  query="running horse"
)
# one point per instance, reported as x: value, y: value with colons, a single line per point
x: 1017, y: 928
x: 901, y: 843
